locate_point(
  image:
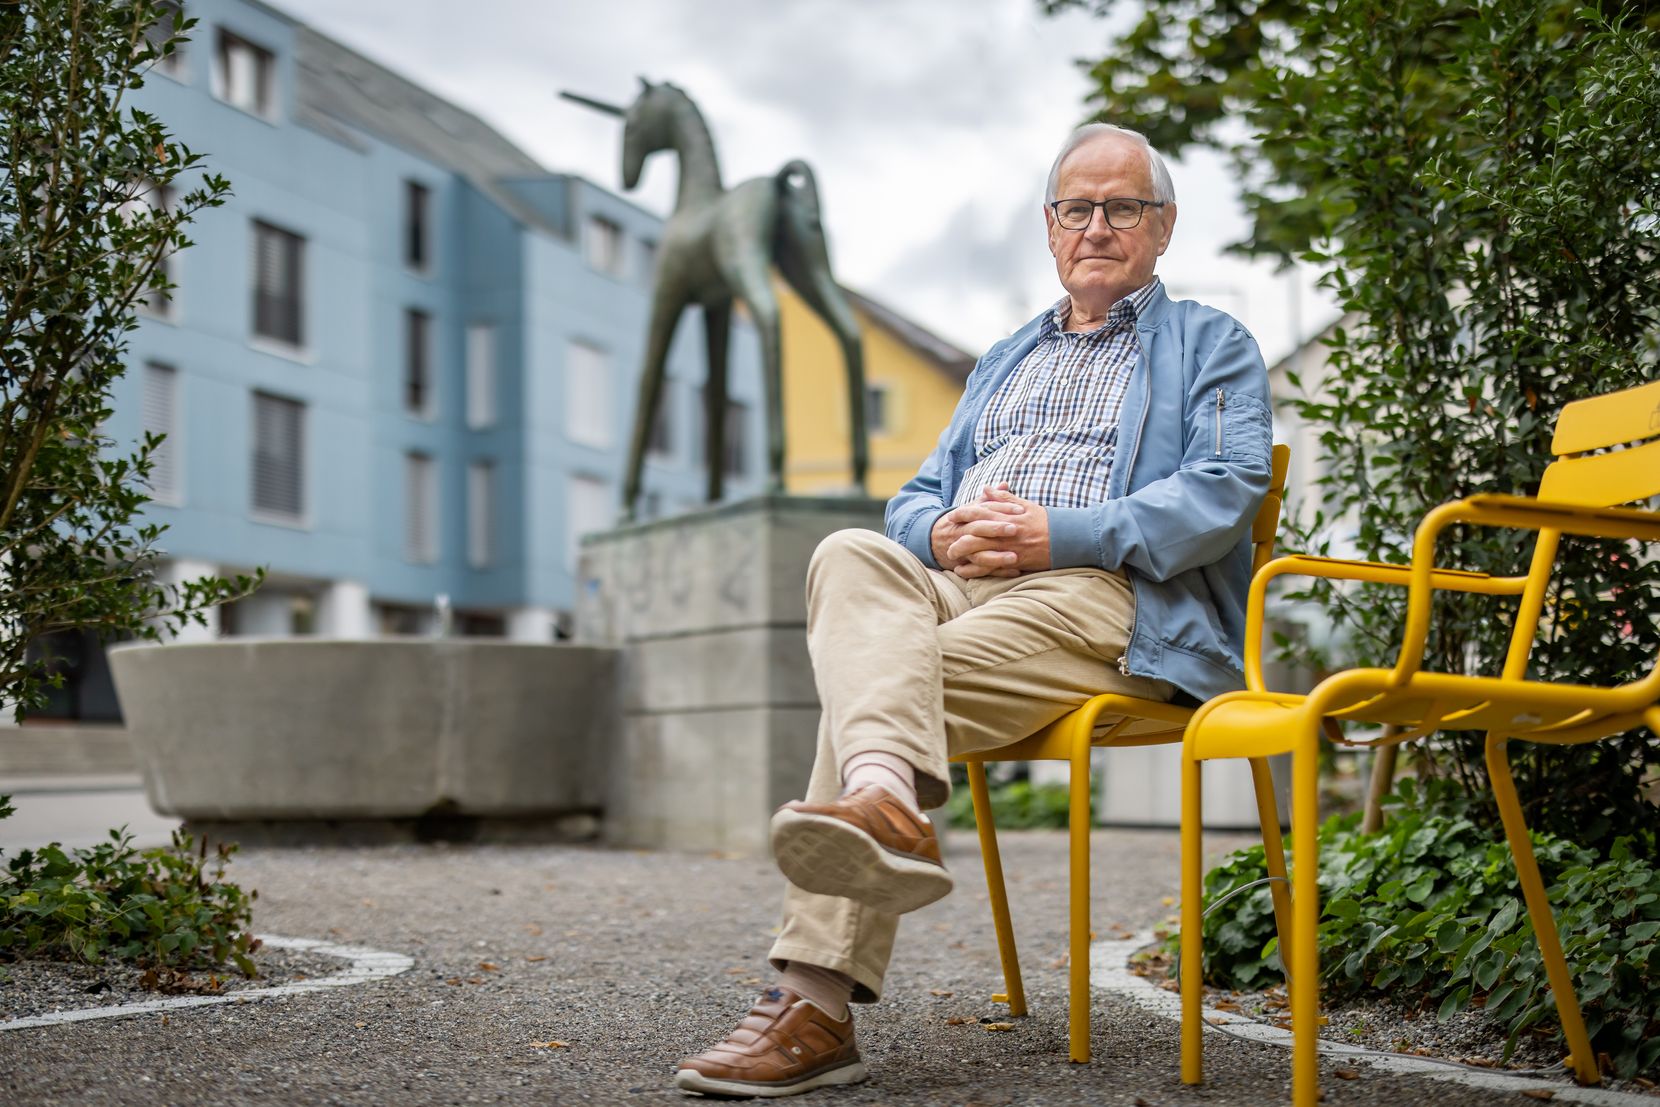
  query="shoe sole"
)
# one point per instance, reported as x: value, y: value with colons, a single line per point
x: 823, y: 854
x: 690, y: 1080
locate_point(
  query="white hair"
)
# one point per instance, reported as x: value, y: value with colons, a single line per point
x: 1163, y: 190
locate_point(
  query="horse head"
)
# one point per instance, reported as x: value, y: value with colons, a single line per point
x: 649, y: 125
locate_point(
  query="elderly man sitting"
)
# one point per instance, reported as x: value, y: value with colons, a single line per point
x: 1082, y: 527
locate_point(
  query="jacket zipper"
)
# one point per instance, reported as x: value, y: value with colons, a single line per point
x: 1140, y: 432
x: 1220, y: 403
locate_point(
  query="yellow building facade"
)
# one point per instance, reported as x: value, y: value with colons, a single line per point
x: 914, y: 379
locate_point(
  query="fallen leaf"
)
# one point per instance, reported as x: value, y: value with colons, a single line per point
x: 1346, y: 1074
x: 549, y: 886
x: 998, y: 1025
x: 1168, y: 901
x: 532, y: 929
x: 957, y: 1020
x: 489, y: 966
x: 536, y: 957
x: 550, y: 1044
x: 452, y: 981
x: 750, y: 980
x: 737, y: 971
x: 475, y: 980
x: 938, y: 992
x: 368, y: 903
x: 360, y: 1025
x: 1539, y: 1093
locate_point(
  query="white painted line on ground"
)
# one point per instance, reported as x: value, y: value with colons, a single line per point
x: 365, y: 965
x: 1109, y: 972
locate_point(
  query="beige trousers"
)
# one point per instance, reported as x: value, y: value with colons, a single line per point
x: 926, y: 665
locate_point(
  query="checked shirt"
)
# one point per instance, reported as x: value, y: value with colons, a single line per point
x: 1052, y: 429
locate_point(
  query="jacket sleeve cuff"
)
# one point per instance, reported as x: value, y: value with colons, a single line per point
x: 1072, y: 541
x: 919, y: 535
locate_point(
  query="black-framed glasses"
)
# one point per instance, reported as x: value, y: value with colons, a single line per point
x: 1123, y: 212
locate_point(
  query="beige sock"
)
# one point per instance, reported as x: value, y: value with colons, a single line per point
x: 886, y: 770
x: 827, y: 988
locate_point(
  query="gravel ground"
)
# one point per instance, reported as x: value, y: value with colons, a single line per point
x: 29, y: 988
x: 611, y: 965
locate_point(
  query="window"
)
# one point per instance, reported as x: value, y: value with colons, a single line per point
x: 735, y: 443
x: 159, y: 415
x: 417, y: 363
x: 588, y: 386
x: 243, y: 75
x: 737, y: 435
x: 660, y: 443
x: 420, y: 483
x: 481, y: 513
x: 169, y: 14
x: 876, y: 409
x: 417, y: 241
x: 602, y: 246
x: 481, y: 375
x: 589, y: 507
x: 151, y: 199
x: 279, y: 285
x: 279, y: 455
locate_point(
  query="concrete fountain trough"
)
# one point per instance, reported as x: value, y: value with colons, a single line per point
x: 383, y: 738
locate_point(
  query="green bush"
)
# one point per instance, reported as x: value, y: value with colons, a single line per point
x: 1015, y: 805
x: 1430, y: 908
x: 168, y: 909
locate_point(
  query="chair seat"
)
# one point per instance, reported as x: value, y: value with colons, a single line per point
x: 1248, y: 724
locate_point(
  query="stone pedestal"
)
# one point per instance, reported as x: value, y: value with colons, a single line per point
x: 719, y: 711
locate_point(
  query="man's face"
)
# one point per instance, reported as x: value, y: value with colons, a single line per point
x: 1098, y: 266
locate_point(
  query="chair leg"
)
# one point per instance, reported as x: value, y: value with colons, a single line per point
x: 1268, y: 814
x: 1305, y: 923
x: 1192, y: 950
x: 1538, y: 909
x: 1078, y: 956
x: 1014, y: 993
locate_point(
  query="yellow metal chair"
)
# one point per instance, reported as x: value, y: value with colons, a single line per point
x: 1608, y: 453
x: 1070, y: 738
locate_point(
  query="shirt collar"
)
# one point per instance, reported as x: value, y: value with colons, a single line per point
x: 1127, y: 310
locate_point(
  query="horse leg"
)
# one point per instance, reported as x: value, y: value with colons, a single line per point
x: 665, y: 316
x: 754, y: 287
x: 821, y: 293
x: 717, y: 328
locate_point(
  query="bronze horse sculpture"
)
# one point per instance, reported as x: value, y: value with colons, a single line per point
x: 720, y: 245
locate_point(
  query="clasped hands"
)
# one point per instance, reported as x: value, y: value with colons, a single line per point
x: 999, y: 535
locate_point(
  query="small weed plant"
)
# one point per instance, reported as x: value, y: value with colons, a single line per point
x: 169, y: 909
x: 1430, y: 908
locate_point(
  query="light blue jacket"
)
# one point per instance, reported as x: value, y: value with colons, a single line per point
x: 1191, y: 468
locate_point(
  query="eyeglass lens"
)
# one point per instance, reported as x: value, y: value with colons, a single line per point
x: 1075, y: 215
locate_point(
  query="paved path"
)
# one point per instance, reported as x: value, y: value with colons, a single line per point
x: 648, y: 957
x: 78, y: 809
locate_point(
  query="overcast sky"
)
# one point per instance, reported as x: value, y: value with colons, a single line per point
x: 930, y: 124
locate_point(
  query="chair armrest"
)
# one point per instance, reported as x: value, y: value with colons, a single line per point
x: 1335, y: 568
x: 1516, y: 513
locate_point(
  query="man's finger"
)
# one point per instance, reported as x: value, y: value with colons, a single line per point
x: 990, y: 528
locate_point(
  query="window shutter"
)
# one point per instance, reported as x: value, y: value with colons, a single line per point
x: 481, y: 376
x: 421, y: 509
x: 481, y: 514
x: 279, y: 444
x: 159, y: 415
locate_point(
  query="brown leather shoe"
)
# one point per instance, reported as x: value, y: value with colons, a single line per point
x: 867, y: 846
x: 786, y: 1045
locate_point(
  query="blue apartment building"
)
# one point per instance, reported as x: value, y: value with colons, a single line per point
x: 400, y: 362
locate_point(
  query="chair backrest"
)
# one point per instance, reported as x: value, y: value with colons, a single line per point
x: 1629, y: 418
x: 1266, y: 527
